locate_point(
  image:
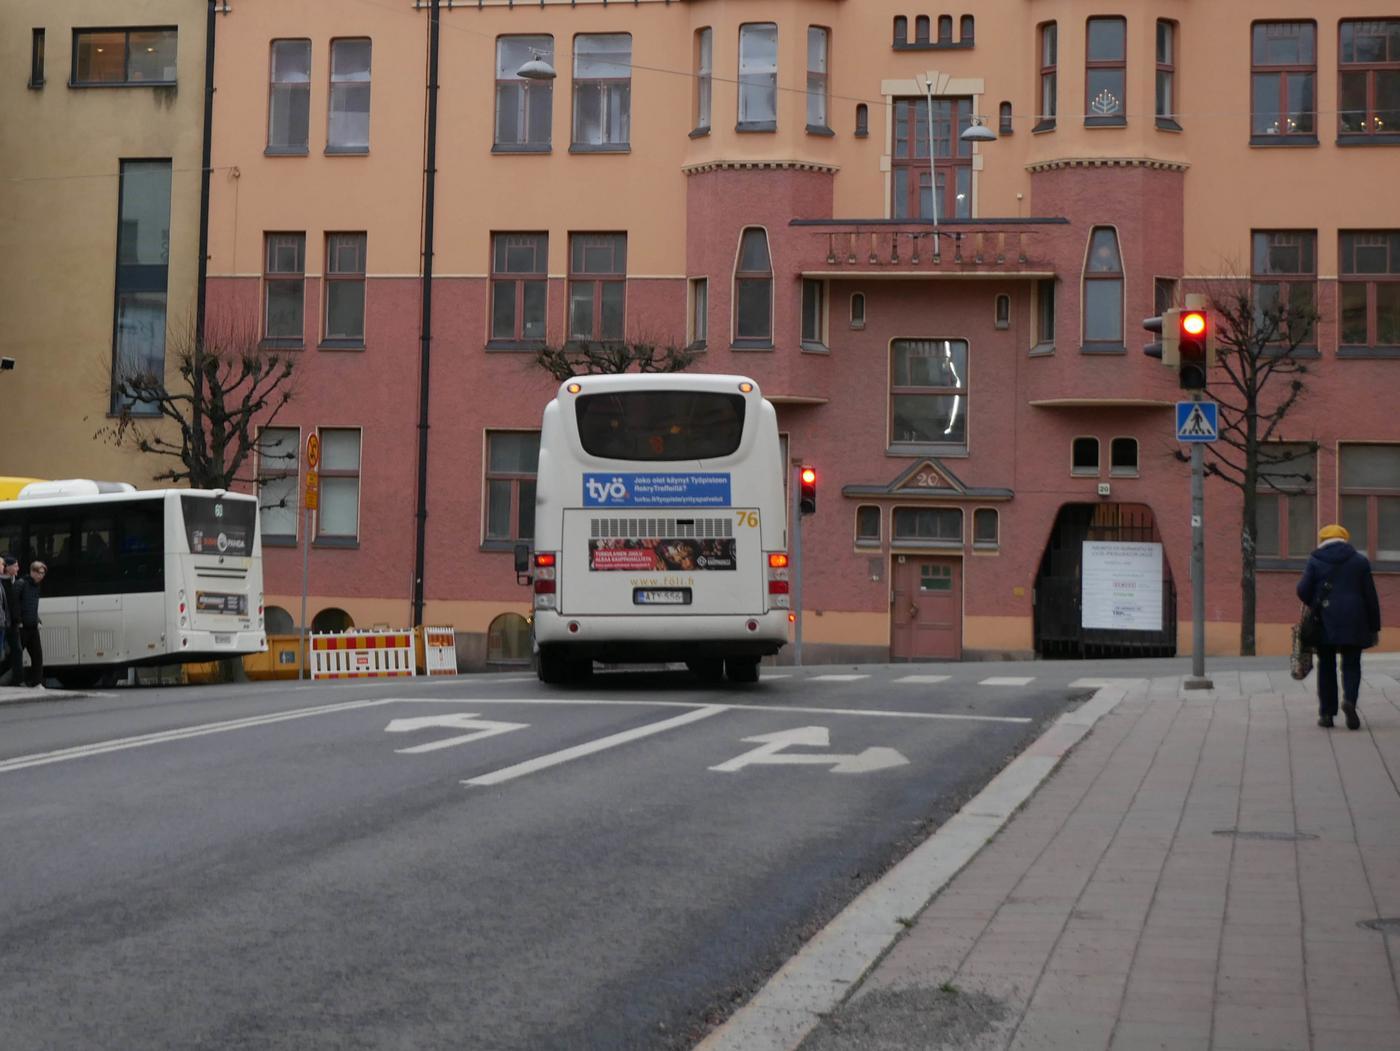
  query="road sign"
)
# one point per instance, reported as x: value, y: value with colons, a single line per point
x: 312, y: 500
x: 313, y: 450
x: 463, y: 721
x: 1197, y: 421
x: 771, y: 747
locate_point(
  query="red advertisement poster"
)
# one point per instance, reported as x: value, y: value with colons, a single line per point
x: 657, y: 554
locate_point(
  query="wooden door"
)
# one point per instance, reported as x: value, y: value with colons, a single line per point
x: 926, y: 617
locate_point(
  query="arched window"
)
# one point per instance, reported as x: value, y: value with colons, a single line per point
x: 508, y: 640
x: 945, y: 29
x: 965, y: 27
x: 1004, y: 125
x: 1103, y: 291
x: 1084, y: 456
x: 332, y: 619
x: 1002, y: 313
x: 858, y: 310
x: 278, y: 621
x: 862, y: 120
x: 921, y: 29
x: 753, y: 289
x: 901, y: 30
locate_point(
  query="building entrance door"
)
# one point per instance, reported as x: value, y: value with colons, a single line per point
x: 926, y: 618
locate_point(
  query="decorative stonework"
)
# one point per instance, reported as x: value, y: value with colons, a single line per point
x: 798, y: 166
x: 1108, y: 162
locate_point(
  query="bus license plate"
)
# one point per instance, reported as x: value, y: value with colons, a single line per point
x: 223, y: 640
x: 661, y: 596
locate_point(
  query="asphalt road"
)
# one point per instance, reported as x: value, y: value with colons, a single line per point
x: 269, y: 866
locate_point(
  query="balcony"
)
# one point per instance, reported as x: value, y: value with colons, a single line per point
x: 914, y: 249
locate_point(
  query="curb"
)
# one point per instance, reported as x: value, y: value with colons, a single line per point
x: 828, y: 968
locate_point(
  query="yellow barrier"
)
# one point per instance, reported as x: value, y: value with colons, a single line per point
x: 281, y: 660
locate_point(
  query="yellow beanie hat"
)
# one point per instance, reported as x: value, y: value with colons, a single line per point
x: 1333, y: 532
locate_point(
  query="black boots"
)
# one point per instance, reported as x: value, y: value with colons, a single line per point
x: 1349, y: 710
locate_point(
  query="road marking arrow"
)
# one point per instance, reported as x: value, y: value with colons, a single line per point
x: 770, y: 751
x: 462, y: 721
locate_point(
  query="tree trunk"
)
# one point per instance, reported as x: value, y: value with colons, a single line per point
x: 1249, y: 527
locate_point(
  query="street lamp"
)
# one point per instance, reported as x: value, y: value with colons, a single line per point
x: 536, y: 69
x: 974, y: 132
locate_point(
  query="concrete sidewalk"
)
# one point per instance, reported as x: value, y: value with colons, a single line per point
x: 1196, y: 874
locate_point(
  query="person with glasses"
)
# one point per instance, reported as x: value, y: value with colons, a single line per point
x: 27, y: 601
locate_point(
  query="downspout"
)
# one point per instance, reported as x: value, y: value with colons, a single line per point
x: 425, y: 339
x: 201, y: 295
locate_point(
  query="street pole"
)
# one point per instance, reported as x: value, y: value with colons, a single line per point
x: 305, y: 562
x: 795, y: 568
x: 932, y: 166
x: 1198, y: 680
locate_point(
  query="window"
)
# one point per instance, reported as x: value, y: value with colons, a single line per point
x: 1049, y: 58
x: 339, y: 516
x: 123, y: 56
x: 349, y: 123
x: 952, y: 158
x: 753, y: 290
x: 512, y: 459
x: 921, y: 29
x: 937, y: 525
x: 867, y: 525
x: 279, y: 459
x: 1286, y: 499
x: 656, y: 426
x: 1084, y: 457
x: 519, y: 287
x: 284, y: 289
x: 1285, y: 284
x: 901, y: 30
x: 1369, y: 62
x: 858, y: 310
x: 1163, y: 294
x: 1284, y: 75
x: 945, y: 29
x: 699, y: 312
x: 143, y: 261
x: 345, y: 290
x: 1123, y: 458
x: 813, y: 315
x: 1106, y: 72
x: 1004, y: 122
x: 1166, y: 75
x: 1370, y: 485
x: 818, y: 41
x: 1045, y: 312
x: 1103, y: 291
x: 1370, y: 288
x: 966, y: 24
x: 985, y: 527
x: 289, y: 97
x: 524, y: 108
x: 704, y: 77
x: 758, y: 77
x: 36, y: 59
x: 928, y: 392
x: 862, y: 120
x: 602, y: 92
x: 1001, y: 310
x: 597, y: 286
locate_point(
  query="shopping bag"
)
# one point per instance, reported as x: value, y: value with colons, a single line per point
x: 1300, y: 660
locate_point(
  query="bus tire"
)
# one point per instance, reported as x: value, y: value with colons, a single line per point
x: 551, y: 667
x: 580, y: 670
x: 707, y: 669
x: 741, y: 669
x: 78, y: 678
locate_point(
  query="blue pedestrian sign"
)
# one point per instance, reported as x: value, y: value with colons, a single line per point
x: 1197, y: 421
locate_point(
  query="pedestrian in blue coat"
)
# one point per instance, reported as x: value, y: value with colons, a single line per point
x: 1338, y: 584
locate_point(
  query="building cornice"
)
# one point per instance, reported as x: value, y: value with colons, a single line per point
x: 757, y: 165
x: 1155, y: 163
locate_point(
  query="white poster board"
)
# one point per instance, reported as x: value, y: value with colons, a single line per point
x: 1122, y: 586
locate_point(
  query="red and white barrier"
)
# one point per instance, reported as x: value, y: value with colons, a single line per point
x: 439, y: 651
x: 362, y: 655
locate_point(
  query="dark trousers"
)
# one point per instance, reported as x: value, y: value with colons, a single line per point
x: 1327, y: 676
x: 12, y: 668
x: 29, y: 637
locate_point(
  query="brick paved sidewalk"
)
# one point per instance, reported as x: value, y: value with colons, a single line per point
x: 1192, y: 876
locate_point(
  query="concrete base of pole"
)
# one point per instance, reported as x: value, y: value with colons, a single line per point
x: 1194, y: 682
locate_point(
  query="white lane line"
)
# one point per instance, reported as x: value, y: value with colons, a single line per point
x: 781, y: 675
x: 923, y: 678
x: 23, y: 762
x: 418, y: 680
x: 1007, y: 680
x: 530, y: 766
x: 837, y: 678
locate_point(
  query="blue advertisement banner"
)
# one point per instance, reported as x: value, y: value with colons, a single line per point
x: 656, y: 490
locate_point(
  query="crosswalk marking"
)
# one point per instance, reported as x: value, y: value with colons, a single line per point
x: 1007, y: 680
x: 923, y: 678
x: 837, y: 678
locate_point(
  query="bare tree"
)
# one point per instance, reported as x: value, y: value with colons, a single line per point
x: 592, y: 358
x: 243, y: 389
x: 1258, y: 380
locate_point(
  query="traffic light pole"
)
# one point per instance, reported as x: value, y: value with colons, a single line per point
x: 1198, y: 680
x: 795, y: 566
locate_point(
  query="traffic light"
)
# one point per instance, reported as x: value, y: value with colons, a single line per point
x: 1167, y: 326
x: 1193, y: 340
x: 807, y: 493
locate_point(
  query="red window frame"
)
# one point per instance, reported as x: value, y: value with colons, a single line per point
x: 1095, y: 112
x: 1372, y: 125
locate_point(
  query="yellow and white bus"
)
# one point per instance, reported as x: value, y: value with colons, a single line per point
x: 660, y: 527
x: 138, y: 578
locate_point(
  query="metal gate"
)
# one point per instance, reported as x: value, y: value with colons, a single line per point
x: 1059, y: 631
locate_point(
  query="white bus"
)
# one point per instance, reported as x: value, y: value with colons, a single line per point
x: 138, y: 578
x: 660, y: 527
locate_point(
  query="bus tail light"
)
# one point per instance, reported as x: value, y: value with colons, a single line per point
x: 546, y: 567
x: 778, y: 580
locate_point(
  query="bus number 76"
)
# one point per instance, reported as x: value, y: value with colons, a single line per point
x: 748, y: 519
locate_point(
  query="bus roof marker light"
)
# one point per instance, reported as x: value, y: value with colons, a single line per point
x: 574, y: 388
x: 746, y: 388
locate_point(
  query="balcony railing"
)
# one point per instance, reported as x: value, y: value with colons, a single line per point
x: 904, y: 247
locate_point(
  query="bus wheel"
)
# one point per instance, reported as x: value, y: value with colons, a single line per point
x: 79, y: 678
x: 552, y: 668
x: 580, y: 670
x: 741, y: 669
x: 707, y: 669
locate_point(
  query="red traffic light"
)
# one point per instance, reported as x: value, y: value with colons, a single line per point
x: 809, y: 476
x: 1193, y: 323
x: 807, y: 491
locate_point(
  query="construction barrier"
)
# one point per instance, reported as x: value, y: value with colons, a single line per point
x: 362, y: 655
x: 439, y: 650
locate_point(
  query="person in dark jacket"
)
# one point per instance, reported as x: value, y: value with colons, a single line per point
x: 12, y: 661
x: 27, y: 596
x: 1337, y: 583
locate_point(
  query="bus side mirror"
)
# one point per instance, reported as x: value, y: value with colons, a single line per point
x: 522, y: 564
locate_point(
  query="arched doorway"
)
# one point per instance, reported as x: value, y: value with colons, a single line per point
x: 508, y: 640
x: 332, y: 619
x: 1105, y: 588
x: 278, y: 621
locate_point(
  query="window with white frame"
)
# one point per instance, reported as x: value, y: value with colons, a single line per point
x: 279, y: 458
x: 704, y: 77
x: 524, y: 107
x: 758, y: 77
x: 289, y: 97
x: 512, y: 462
x: 339, y: 516
x: 602, y: 91
x: 349, y: 112
x: 818, y: 44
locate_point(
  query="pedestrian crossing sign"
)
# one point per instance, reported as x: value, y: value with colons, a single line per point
x: 1197, y: 421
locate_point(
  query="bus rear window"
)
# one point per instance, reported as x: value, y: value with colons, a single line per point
x: 661, y: 425
x: 216, y: 526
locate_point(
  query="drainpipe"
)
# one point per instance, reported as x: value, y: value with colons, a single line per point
x: 200, y: 294
x: 425, y: 339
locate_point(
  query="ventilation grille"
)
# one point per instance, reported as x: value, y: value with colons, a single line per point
x: 670, y: 528
x: 221, y: 572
